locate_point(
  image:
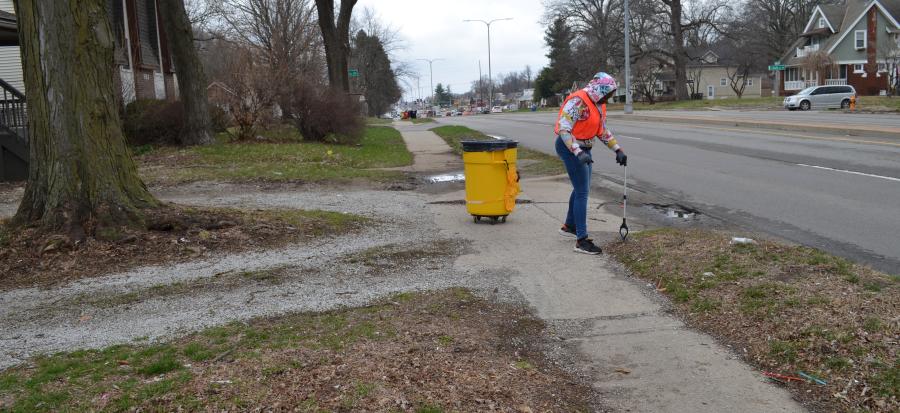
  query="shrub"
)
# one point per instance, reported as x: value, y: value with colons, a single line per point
x: 219, y: 119
x: 324, y: 115
x: 153, y: 122
x: 160, y: 122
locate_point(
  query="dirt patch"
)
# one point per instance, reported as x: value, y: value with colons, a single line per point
x: 434, y: 352
x: 171, y: 234
x: 789, y: 310
x: 386, y: 258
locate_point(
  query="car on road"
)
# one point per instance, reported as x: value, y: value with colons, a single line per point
x: 496, y: 109
x: 821, y: 97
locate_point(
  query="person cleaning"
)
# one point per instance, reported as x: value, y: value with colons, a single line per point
x: 581, y: 119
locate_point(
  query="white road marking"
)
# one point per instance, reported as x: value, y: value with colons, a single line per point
x: 629, y: 137
x: 889, y: 178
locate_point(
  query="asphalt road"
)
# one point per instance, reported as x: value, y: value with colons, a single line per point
x: 837, y: 193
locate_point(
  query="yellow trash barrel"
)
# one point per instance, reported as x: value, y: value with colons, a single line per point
x: 492, y: 181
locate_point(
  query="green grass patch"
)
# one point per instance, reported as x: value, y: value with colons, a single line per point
x: 373, y: 121
x: 419, y: 121
x: 533, y: 163
x: 381, y: 147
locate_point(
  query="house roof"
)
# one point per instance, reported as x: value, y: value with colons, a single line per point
x: 834, y: 13
x: 842, y: 15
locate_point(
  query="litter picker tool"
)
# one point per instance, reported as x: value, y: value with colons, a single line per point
x: 623, y: 229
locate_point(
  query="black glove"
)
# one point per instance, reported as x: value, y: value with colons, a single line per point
x: 585, y: 158
x: 621, y: 158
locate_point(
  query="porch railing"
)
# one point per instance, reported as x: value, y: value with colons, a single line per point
x: 13, y: 114
x: 805, y: 51
x: 799, y: 84
x: 835, y: 82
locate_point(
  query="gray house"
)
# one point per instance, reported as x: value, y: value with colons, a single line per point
x: 850, y: 42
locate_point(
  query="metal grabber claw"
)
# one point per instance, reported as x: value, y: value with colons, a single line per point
x: 623, y: 229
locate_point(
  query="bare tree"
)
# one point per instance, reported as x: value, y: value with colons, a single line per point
x: 253, y: 93
x: 81, y: 175
x: 191, y: 78
x: 595, y: 23
x: 701, y: 14
x: 818, y: 62
x: 645, y: 75
x: 336, y: 36
x: 737, y: 78
x: 889, y: 50
x: 778, y: 23
x: 284, y: 30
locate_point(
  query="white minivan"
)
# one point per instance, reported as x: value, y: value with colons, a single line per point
x: 821, y: 97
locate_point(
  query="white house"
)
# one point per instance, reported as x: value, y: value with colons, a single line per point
x: 10, y: 58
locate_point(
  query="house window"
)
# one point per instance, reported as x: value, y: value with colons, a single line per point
x: 858, y: 68
x: 723, y: 82
x: 882, y: 67
x: 860, y: 36
x: 821, y: 22
x: 750, y: 81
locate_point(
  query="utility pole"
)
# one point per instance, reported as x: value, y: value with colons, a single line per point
x: 490, y: 73
x: 431, y: 74
x: 480, y: 86
x: 629, y: 108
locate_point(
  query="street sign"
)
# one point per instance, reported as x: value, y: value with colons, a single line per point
x: 354, y: 73
x: 776, y: 67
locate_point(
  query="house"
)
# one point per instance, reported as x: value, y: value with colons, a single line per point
x: 143, y: 70
x: 851, y: 42
x: 526, y: 99
x: 713, y: 77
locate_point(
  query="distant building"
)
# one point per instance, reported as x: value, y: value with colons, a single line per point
x: 861, y: 39
x: 717, y: 78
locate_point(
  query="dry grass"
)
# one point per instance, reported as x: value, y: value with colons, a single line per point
x: 170, y: 234
x: 786, y: 308
x: 435, y: 352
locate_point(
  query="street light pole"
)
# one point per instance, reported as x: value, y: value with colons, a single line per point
x: 490, y: 73
x: 431, y: 75
x: 629, y: 108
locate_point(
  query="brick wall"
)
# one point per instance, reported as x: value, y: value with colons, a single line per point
x: 171, y: 94
x: 143, y: 84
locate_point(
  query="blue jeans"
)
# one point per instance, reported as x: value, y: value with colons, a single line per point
x: 580, y: 175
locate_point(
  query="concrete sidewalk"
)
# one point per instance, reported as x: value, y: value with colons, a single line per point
x: 611, y: 320
x: 430, y: 152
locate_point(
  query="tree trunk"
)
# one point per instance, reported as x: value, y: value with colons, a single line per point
x: 191, y: 78
x: 679, y: 56
x: 337, y: 41
x: 81, y: 175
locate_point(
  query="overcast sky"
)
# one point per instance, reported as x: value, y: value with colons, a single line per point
x: 435, y: 29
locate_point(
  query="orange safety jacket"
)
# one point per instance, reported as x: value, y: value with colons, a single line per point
x: 585, y: 129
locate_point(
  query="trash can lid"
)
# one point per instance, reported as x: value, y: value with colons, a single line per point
x: 488, y: 146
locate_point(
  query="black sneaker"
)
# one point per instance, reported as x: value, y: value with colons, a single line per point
x: 567, y: 232
x: 586, y: 246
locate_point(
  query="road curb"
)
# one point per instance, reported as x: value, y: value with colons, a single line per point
x: 790, y: 127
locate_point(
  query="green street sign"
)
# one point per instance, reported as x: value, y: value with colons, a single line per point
x: 354, y: 73
x: 776, y: 67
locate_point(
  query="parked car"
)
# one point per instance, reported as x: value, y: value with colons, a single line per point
x: 496, y: 109
x: 820, y: 97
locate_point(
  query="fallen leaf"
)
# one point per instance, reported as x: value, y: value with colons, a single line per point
x: 623, y: 370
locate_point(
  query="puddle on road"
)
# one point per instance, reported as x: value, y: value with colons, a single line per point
x: 675, y: 211
x: 437, y: 179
